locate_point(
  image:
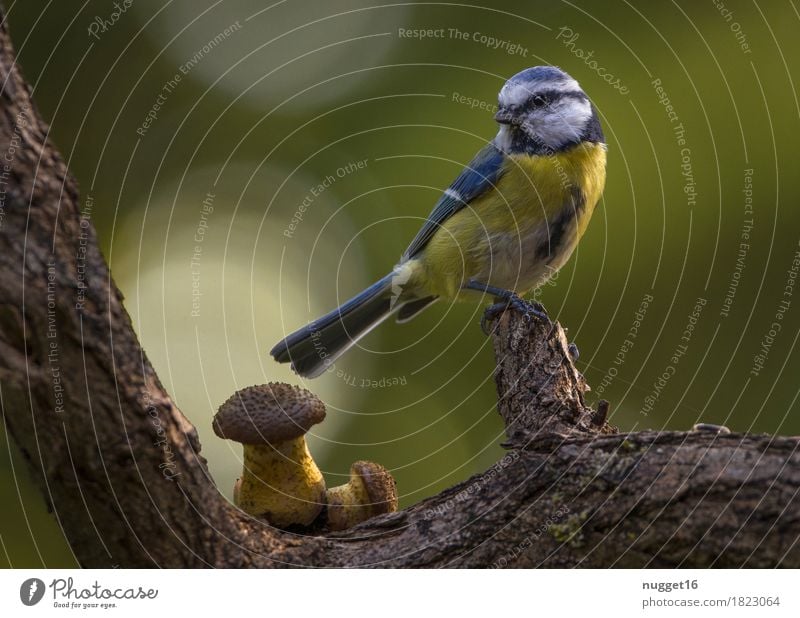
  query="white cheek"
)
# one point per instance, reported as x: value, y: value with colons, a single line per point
x: 503, y: 138
x: 563, y: 124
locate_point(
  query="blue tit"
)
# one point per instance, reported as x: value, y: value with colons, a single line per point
x: 506, y: 224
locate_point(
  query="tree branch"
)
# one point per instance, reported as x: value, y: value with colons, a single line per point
x: 120, y: 467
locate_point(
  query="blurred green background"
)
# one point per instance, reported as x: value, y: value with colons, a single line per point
x: 199, y: 128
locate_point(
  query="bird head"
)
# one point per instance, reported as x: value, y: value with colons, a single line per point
x: 543, y: 110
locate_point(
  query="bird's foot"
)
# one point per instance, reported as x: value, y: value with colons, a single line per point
x: 528, y: 309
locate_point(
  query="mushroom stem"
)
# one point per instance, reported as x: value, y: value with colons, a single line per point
x: 281, y: 483
x: 369, y: 492
x: 347, y: 505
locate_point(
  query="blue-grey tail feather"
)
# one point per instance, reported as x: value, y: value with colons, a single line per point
x: 412, y: 309
x: 313, y: 348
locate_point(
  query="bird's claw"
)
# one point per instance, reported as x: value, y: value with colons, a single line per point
x: 491, y: 313
x: 527, y: 309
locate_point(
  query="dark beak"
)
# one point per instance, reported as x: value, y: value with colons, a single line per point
x: 505, y: 116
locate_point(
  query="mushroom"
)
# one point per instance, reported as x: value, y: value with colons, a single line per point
x: 370, y: 491
x: 280, y: 481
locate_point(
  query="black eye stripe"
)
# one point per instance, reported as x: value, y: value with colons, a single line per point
x: 546, y: 97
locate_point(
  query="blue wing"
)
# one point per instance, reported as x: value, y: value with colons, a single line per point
x: 477, y: 178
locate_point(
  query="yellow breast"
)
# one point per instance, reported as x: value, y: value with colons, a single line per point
x: 544, y: 184
x: 518, y: 234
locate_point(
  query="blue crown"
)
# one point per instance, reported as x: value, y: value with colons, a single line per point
x: 539, y: 74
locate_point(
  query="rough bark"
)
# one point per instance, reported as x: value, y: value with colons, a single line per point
x: 120, y: 467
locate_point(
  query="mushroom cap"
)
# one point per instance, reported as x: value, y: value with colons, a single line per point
x: 268, y: 414
x: 379, y: 484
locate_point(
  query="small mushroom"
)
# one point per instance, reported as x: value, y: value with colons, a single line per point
x: 280, y: 481
x: 370, y: 491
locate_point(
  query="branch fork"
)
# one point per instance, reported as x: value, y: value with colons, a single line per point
x: 574, y: 493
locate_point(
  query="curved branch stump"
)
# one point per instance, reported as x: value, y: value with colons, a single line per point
x: 120, y: 467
